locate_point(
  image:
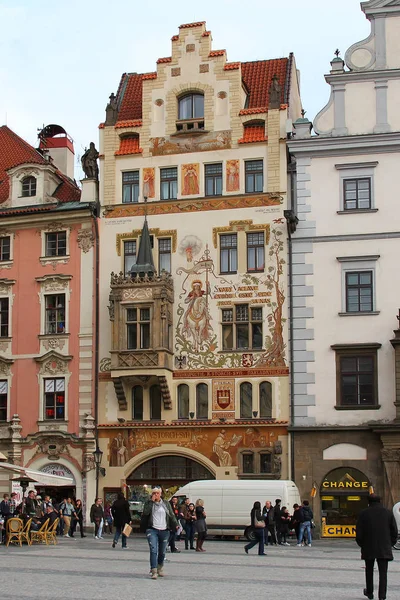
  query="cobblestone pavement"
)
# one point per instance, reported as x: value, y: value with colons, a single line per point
x: 88, y: 569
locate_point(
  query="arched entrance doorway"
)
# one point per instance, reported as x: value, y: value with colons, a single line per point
x: 344, y: 494
x: 170, y: 472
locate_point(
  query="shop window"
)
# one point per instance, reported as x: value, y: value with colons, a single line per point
x: 213, y: 179
x: 130, y: 187
x: 246, y: 400
x: 4, y: 316
x: 137, y: 403
x: 5, y: 248
x: 55, y: 314
x: 129, y: 255
x: 265, y: 395
x: 265, y: 462
x: 169, y: 183
x: 183, y: 401
x: 356, y: 375
x: 164, y: 255
x: 255, y: 252
x: 248, y: 462
x: 254, y: 176
x: 228, y: 253
x: 138, y: 328
x: 28, y: 187
x: 359, y: 291
x: 242, y: 328
x: 3, y: 400
x: 155, y: 403
x: 202, y: 401
x: 54, y: 398
x: 56, y: 243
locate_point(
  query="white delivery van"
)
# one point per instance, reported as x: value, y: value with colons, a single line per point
x: 228, y: 502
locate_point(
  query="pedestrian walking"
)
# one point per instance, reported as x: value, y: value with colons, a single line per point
x: 78, y: 519
x: 173, y: 534
x: 68, y: 513
x: 376, y: 533
x: 305, y: 516
x: 269, y: 517
x: 258, y: 525
x: 189, y: 514
x: 201, y: 526
x: 97, y: 517
x: 158, y: 520
x: 108, y: 519
x: 122, y: 515
x: 277, y: 519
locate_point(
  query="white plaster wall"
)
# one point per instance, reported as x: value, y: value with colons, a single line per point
x: 360, y: 103
x: 325, y: 196
x: 393, y: 42
x: 393, y: 96
x: 330, y: 328
x: 324, y: 122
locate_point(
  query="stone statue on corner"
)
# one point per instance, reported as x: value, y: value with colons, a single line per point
x: 89, y: 162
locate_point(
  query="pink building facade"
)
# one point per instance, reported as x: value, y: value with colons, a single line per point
x: 47, y: 317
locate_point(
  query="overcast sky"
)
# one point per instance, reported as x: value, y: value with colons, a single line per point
x: 60, y: 60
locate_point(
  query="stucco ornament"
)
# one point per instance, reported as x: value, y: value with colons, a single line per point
x: 53, y: 344
x: 53, y: 366
x: 52, y: 446
x: 85, y: 239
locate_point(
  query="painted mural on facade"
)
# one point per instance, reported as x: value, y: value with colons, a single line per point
x: 161, y: 146
x: 203, y: 293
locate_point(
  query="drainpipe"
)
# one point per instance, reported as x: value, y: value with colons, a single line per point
x: 96, y: 339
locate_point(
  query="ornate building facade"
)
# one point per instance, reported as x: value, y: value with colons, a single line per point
x: 46, y: 312
x: 193, y: 376
x: 345, y: 293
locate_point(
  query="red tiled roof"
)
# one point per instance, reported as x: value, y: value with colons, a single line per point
x: 253, y: 133
x: 14, y: 151
x: 132, y: 123
x: 152, y: 75
x: 237, y: 423
x: 233, y: 66
x: 254, y: 111
x: 67, y: 191
x: 175, y: 38
x: 129, y: 145
x: 131, y: 105
x: 206, y: 34
x: 166, y: 59
x: 217, y: 53
x: 257, y: 77
x: 187, y: 25
x: 27, y: 209
x: 102, y: 125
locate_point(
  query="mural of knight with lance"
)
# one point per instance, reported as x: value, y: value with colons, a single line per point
x: 196, y: 320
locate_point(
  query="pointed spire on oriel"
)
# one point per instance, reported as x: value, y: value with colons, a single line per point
x: 144, y: 263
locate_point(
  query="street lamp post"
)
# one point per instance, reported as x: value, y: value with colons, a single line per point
x: 98, y: 456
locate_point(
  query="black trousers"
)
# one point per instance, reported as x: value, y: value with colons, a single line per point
x: 369, y: 576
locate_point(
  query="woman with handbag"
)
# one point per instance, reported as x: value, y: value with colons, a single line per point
x: 258, y: 524
x: 190, y: 522
x: 201, y: 526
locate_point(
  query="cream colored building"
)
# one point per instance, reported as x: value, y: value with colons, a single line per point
x: 193, y: 340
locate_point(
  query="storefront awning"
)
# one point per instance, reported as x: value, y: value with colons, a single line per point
x: 38, y: 476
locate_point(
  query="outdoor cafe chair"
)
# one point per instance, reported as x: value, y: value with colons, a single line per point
x: 14, y: 531
x: 51, y: 533
x: 40, y: 535
x: 25, y: 533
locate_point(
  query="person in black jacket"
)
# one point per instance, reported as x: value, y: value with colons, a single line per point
x: 277, y: 518
x: 305, y: 516
x: 256, y: 520
x: 122, y: 515
x: 269, y: 517
x: 376, y: 532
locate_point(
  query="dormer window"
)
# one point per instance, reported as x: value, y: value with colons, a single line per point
x: 190, y: 112
x: 29, y: 186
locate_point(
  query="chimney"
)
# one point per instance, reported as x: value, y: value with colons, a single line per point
x: 55, y: 141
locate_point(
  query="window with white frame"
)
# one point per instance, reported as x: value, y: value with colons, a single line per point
x: 5, y: 248
x: 3, y: 399
x: 164, y: 255
x: 56, y: 243
x: 55, y: 314
x: 54, y: 398
x: 28, y: 186
x: 4, y: 317
x: 358, y: 285
x: 356, y: 187
x: 130, y: 187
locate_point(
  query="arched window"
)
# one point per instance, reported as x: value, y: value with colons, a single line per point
x: 29, y: 186
x: 183, y: 401
x: 202, y: 401
x: 191, y: 106
x: 137, y: 403
x: 265, y: 400
x: 155, y: 403
x: 246, y: 400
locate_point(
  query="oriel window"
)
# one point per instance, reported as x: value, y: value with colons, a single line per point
x: 138, y: 328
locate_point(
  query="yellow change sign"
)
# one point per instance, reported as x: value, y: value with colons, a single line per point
x: 338, y: 530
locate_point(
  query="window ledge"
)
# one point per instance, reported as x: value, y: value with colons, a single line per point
x: 359, y: 314
x: 54, y: 260
x: 6, y: 264
x: 52, y: 425
x: 357, y: 211
x: 48, y: 336
x: 60, y: 258
x: 358, y: 407
x: 241, y: 350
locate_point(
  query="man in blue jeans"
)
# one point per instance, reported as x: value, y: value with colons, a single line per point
x: 306, y: 516
x: 160, y: 521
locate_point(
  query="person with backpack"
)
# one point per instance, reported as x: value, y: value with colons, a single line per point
x: 305, y: 517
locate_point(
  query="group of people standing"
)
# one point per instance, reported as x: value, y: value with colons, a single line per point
x: 272, y: 525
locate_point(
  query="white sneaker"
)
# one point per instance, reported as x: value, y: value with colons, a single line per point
x: 287, y: 544
x: 100, y: 537
x: 96, y: 537
x: 299, y: 545
x: 309, y: 545
x: 66, y: 535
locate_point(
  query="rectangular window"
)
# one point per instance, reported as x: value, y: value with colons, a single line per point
x: 357, y: 380
x: 265, y: 463
x: 130, y: 187
x: 55, y: 314
x: 242, y: 328
x: 248, y: 463
x: 4, y: 317
x: 228, y: 253
x: 164, y: 255
x: 254, y: 176
x: 255, y: 252
x: 169, y: 183
x: 357, y: 193
x: 129, y: 256
x: 54, y: 398
x: 56, y: 243
x: 3, y: 400
x: 5, y: 247
x: 213, y: 179
x: 138, y: 328
x: 359, y: 291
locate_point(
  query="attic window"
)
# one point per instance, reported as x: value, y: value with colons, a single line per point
x: 190, y: 112
x: 29, y: 186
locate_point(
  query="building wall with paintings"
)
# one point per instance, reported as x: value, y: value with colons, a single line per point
x: 194, y: 360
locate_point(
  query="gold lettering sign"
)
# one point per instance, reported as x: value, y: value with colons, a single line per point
x: 345, y: 484
x: 338, y: 530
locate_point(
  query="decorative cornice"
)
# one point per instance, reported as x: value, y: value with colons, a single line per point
x: 324, y: 145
